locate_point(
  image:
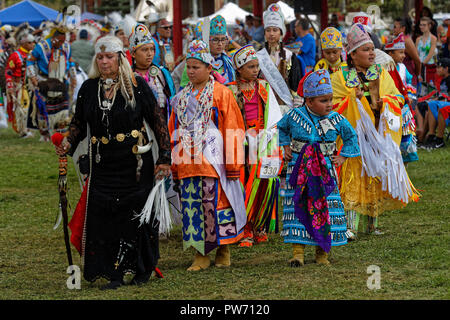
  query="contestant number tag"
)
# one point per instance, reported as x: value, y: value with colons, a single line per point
x: 269, y: 167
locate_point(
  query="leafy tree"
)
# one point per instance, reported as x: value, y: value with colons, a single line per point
x: 122, y: 6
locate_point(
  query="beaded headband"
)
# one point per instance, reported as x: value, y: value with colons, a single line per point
x: 244, y: 55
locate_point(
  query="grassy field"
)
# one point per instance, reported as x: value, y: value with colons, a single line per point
x: 413, y: 254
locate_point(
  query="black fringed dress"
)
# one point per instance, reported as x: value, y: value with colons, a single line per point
x: 113, y: 242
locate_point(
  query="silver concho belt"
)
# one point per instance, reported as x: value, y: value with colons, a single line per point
x: 327, y: 148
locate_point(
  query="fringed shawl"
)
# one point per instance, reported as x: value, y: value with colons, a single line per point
x: 313, y: 184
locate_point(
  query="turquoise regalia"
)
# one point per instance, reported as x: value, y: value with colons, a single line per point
x: 300, y: 126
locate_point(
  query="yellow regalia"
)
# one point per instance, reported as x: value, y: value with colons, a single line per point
x: 360, y: 192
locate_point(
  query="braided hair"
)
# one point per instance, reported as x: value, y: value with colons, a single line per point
x: 282, y: 67
x: 350, y: 63
x: 239, y: 95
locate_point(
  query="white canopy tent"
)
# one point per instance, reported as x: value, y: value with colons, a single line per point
x: 230, y: 12
x: 289, y: 13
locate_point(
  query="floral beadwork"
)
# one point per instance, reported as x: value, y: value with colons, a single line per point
x: 194, y: 129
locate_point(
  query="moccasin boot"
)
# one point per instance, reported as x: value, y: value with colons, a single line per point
x: 321, y: 256
x: 223, y: 257
x: 247, y: 240
x: 298, y: 255
x: 200, y: 262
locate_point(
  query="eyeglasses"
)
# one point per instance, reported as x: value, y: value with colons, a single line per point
x: 217, y: 40
x: 167, y: 28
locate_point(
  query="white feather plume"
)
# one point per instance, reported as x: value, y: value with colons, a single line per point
x: 384, y: 60
x: 128, y: 23
x: 157, y: 203
x: 205, y: 30
x: 114, y: 18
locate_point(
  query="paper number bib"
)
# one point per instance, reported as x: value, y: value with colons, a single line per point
x: 269, y: 167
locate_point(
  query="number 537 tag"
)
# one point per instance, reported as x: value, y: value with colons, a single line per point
x: 269, y: 167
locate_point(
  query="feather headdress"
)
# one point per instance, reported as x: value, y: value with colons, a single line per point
x: 23, y: 30
x: 159, y: 10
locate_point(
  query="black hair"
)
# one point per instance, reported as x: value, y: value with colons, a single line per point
x: 429, y: 12
x: 405, y: 22
x: 83, y: 34
x: 58, y: 33
x: 444, y: 62
x: 350, y: 60
x: 303, y: 23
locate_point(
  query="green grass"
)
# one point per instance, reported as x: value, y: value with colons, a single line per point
x: 413, y: 254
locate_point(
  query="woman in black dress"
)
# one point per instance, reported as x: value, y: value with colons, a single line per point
x: 111, y: 109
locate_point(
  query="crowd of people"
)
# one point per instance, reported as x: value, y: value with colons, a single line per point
x: 240, y: 128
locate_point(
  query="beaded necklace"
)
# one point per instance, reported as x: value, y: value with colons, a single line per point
x: 106, y: 104
x: 248, y: 93
x: 196, y: 136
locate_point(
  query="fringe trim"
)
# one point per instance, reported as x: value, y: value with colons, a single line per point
x: 157, y: 199
x: 291, y: 232
x: 381, y: 157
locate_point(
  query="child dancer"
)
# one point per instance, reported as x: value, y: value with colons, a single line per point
x: 205, y: 165
x: 408, y: 146
x: 313, y: 213
x: 365, y: 94
x: 279, y: 66
x: 260, y: 115
x: 331, y: 43
x: 142, y: 49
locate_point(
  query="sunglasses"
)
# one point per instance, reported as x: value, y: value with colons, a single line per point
x: 167, y: 28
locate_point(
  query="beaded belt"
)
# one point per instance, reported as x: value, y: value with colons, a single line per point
x: 327, y: 148
x: 120, y: 137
